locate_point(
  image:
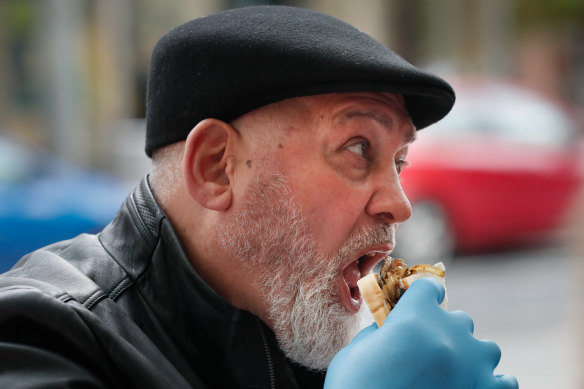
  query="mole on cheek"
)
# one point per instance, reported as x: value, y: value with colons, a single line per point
x: 280, y: 146
x: 248, y: 163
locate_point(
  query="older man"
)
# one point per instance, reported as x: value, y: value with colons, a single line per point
x: 277, y: 137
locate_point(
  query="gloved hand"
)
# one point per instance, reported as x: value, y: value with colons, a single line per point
x: 420, y: 345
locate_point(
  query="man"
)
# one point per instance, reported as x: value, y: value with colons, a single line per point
x: 277, y: 137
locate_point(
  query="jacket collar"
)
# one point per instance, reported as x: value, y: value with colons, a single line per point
x: 215, y: 336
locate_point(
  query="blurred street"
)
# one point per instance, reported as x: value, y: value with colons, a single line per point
x: 530, y: 304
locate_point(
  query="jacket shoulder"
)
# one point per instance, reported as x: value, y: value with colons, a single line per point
x: 78, y: 269
x: 47, y: 339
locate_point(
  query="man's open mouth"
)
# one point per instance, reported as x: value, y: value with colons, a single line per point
x: 350, y: 295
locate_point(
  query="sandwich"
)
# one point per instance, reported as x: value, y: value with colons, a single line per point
x: 381, y: 291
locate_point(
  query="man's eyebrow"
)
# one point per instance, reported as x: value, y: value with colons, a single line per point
x: 382, y: 119
x: 412, y: 134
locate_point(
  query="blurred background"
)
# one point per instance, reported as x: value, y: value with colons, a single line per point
x: 495, y: 187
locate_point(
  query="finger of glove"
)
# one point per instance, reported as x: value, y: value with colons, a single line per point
x: 501, y: 381
x: 423, y: 291
x: 506, y: 381
x: 491, y: 353
x: 463, y: 320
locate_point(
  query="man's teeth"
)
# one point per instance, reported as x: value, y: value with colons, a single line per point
x: 365, y: 256
x: 362, y: 258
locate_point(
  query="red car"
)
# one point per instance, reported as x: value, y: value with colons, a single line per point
x: 500, y: 170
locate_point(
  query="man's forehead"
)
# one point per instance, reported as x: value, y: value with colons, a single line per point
x: 377, y: 101
x: 302, y: 111
x: 386, y: 121
x: 325, y: 101
x: 387, y: 109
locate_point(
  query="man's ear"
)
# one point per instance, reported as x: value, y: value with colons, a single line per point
x: 207, y: 167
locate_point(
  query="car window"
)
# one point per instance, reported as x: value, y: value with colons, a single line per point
x: 524, y: 117
x: 507, y: 113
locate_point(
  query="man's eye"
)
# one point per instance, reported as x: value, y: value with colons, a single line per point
x: 401, y: 164
x: 359, y: 148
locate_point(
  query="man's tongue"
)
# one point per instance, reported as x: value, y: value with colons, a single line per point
x: 352, y: 274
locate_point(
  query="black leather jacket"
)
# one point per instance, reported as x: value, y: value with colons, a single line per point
x: 124, y: 308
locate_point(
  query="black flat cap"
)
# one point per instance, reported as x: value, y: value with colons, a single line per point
x: 226, y: 64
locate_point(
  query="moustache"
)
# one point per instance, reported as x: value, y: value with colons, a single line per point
x: 374, y: 235
x: 366, y: 237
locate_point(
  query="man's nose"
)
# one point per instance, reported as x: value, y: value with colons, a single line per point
x: 389, y: 202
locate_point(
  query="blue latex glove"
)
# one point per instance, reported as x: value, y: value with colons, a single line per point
x: 420, y: 345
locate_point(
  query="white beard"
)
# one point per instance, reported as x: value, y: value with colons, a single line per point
x: 300, y: 284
